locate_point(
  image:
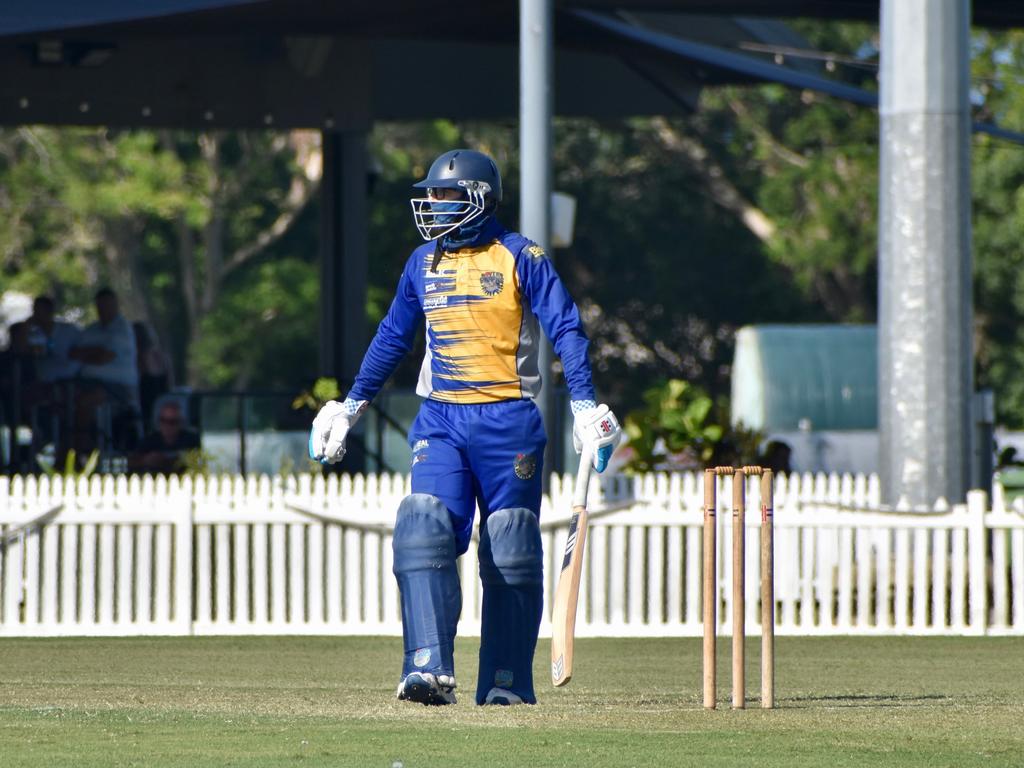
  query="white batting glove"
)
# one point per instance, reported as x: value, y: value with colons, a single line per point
x: 595, y: 426
x: 330, y: 428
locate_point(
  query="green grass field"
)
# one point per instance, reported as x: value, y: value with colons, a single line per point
x: 329, y: 701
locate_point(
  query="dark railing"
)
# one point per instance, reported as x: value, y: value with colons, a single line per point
x: 40, y: 419
x: 240, y: 430
x: 269, y: 411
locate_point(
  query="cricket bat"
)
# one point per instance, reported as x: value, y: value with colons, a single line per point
x: 563, y: 618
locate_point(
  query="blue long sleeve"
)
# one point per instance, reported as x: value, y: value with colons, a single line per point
x: 394, y: 337
x: 559, y: 317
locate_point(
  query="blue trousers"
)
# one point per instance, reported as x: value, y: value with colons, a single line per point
x: 490, y: 453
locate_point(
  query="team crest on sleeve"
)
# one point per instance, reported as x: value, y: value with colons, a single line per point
x: 536, y: 251
x: 492, y: 283
x: 525, y: 465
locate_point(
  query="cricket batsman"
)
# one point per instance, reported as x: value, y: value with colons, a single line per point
x: 478, y: 440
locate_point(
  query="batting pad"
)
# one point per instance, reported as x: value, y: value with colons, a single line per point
x: 511, y: 569
x: 424, y: 564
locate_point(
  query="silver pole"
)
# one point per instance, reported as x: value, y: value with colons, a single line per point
x: 536, y: 70
x: 924, y: 239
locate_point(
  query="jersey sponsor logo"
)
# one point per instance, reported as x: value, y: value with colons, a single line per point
x: 435, y: 301
x: 536, y: 251
x: 420, y: 445
x: 525, y: 465
x: 439, y: 284
x: 422, y: 657
x: 492, y: 282
x: 503, y: 678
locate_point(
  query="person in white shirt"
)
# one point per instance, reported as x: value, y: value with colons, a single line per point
x: 52, y: 342
x: 109, y: 374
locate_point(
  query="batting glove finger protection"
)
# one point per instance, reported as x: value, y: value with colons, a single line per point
x: 598, y: 428
x: 331, y: 427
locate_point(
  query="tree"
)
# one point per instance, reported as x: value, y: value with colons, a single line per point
x: 760, y: 207
x: 998, y: 181
x: 169, y: 220
x: 40, y: 246
x: 810, y: 164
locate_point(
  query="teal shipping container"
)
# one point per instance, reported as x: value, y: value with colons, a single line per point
x: 808, y: 377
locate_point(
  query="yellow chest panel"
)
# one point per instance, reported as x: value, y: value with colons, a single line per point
x: 474, y: 310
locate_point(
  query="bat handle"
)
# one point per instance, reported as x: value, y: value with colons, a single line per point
x: 579, y: 498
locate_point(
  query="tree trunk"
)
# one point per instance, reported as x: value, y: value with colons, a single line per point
x: 122, y: 247
x: 722, y: 191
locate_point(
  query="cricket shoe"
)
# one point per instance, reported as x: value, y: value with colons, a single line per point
x: 427, y: 689
x: 502, y: 697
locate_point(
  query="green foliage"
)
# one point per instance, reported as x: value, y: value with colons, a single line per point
x: 209, y: 235
x: 306, y: 466
x: 195, y: 462
x: 680, y: 427
x: 810, y: 163
x: 998, y: 224
x: 71, y: 469
x: 187, y: 227
x: 662, y: 273
x: 323, y: 390
x: 273, y: 302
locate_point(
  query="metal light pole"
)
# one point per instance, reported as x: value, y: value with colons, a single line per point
x: 924, y: 242
x: 536, y: 80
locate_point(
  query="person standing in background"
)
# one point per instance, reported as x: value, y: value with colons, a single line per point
x: 52, y: 341
x: 109, y: 373
x: 18, y: 375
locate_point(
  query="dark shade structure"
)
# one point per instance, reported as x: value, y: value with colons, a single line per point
x: 309, y: 63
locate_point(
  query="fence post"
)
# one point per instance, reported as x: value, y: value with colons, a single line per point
x: 977, y: 537
x: 183, y: 492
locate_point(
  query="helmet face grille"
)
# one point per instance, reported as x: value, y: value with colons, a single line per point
x: 436, y: 218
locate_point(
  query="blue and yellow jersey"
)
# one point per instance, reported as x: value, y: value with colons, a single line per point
x: 483, y: 306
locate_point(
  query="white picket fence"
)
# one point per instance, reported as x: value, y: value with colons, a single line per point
x: 132, y: 556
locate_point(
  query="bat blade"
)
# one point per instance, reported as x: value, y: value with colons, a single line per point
x: 563, y: 618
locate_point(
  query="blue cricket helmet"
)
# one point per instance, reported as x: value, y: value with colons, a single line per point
x: 473, y: 173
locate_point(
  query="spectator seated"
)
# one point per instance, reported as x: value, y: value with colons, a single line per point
x: 164, y: 450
